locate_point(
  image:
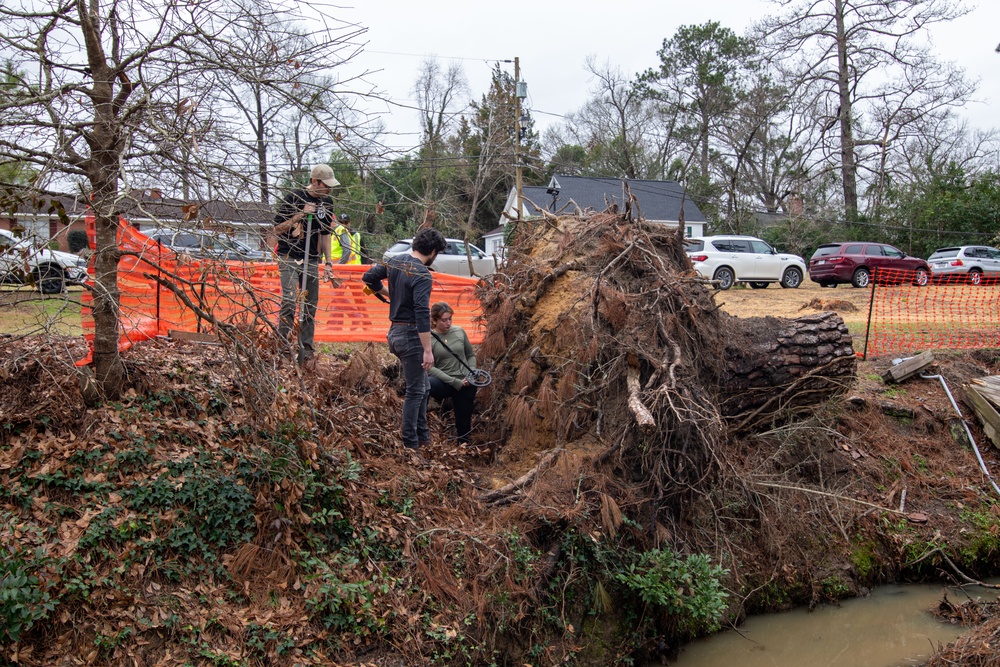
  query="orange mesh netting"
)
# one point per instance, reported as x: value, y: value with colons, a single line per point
x: 238, y: 292
x: 946, y: 313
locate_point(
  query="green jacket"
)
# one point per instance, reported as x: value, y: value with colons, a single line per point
x: 446, y: 367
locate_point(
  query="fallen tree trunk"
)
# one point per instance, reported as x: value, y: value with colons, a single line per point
x: 774, y: 365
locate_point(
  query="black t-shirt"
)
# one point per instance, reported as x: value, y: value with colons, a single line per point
x: 322, y: 223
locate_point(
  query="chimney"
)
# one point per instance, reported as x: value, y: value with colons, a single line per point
x: 795, y: 206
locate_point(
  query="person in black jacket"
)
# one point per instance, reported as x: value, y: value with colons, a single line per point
x: 409, y: 292
x: 303, y: 224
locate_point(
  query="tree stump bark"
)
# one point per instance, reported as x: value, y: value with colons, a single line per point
x: 775, y: 365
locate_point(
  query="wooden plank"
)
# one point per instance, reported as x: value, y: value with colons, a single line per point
x: 909, y: 368
x: 193, y: 336
x: 989, y: 387
x: 984, y: 409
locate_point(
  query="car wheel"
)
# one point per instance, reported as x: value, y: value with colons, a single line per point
x: 922, y: 277
x: 975, y: 277
x: 725, y: 277
x: 792, y: 278
x: 50, y: 279
x: 756, y: 284
x: 862, y: 277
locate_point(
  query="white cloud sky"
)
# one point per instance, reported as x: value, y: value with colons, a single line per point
x: 552, y: 39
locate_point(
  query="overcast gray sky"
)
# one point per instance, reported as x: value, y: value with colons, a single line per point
x: 552, y: 39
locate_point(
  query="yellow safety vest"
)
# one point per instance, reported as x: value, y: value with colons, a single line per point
x: 336, y: 251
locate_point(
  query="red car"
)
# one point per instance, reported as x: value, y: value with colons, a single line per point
x: 855, y: 262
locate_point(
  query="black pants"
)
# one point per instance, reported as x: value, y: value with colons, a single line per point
x: 463, y: 399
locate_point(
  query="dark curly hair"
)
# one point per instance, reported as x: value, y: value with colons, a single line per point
x: 428, y: 240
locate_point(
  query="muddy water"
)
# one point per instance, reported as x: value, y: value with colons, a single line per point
x: 891, y: 627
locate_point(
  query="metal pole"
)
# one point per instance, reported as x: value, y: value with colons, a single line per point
x: 518, y: 182
x: 868, y: 330
x: 305, y: 269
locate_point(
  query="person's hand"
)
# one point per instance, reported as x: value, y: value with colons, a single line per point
x: 308, y: 208
x: 428, y: 359
x: 465, y: 382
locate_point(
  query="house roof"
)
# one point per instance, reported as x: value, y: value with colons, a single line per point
x: 149, y: 205
x: 658, y: 200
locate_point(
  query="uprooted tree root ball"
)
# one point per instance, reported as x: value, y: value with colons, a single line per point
x: 601, y: 335
x: 644, y: 468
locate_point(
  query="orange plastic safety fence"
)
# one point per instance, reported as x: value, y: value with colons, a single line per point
x: 912, y: 312
x: 238, y: 292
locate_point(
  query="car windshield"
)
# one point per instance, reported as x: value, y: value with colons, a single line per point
x: 942, y: 253
x: 399, y: 246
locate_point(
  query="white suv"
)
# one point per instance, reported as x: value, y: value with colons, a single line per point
x: 50, y: 270
x: 731, y: 259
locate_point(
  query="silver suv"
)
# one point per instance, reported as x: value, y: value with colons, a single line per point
x: 972, y: 263
x: 208, y: 244
x: 50, y: 270
x: 731, y: 259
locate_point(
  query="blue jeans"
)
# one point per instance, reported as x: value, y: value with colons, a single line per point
x: 291, y: 285
x: 404, y: 342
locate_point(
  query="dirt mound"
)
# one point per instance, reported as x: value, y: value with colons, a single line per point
x: 839, y: 305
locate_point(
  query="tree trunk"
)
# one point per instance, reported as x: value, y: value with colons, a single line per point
x: 774, y: 365
x: 848, y: 170
x: 106, y: 142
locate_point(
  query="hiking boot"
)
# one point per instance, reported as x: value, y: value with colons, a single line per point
x: 416, y: 456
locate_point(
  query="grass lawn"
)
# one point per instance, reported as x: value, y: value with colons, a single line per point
x: 26, y: 312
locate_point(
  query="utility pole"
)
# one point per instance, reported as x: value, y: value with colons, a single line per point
x: 518, y: 184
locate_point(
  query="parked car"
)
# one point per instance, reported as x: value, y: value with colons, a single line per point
x: 732, y: 259
x: 453, y: 260
x: 970, y: 263
x: 207, y: 244
x: 855, y: 262
x: 50, y: 270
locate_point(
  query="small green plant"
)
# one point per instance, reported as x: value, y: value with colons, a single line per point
x: 864, y: 559
x: 894, y: 392
x: 24, y: 600
x: 340, y: 603
x: 835, y: 588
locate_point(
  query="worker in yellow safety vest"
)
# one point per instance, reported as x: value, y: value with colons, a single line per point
x: 345, y: 247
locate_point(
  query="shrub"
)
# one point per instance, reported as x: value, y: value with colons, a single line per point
x: 688, y: 590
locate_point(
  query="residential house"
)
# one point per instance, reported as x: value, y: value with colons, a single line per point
x: 50, y: 219
x: 659, y: 202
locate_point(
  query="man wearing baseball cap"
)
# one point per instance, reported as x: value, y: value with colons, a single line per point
x: 303, y: 224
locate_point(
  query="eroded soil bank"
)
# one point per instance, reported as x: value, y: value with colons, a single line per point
x: 230, y: 510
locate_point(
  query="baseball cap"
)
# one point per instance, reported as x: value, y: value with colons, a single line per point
x: 344, y: 217
x: 323, y: 172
